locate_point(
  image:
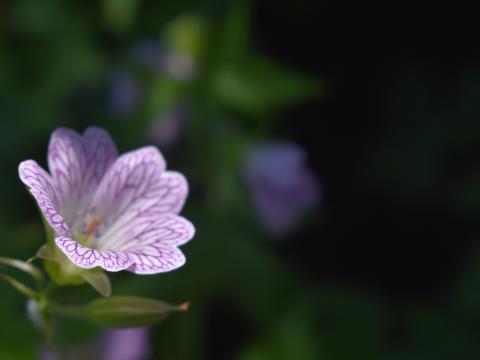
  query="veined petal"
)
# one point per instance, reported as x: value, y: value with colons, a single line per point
x: 86, y: 258
x: 153, y: 249
x: 130, y: 186
x: 100, y: 154
x: 151, y: 242
x: 166, y: 229
x: 77, y: 164
x: 146, y: 246
x: 41, y: 187
x: 174, y: 192
x: 154, y: 260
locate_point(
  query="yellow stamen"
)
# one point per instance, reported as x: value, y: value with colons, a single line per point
x: 93, y: 226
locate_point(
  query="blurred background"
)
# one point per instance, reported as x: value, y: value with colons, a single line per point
x: 333, y: 172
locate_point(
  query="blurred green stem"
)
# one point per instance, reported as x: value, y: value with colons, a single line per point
x: 25, y: 290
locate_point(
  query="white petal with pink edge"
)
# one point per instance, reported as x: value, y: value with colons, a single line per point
x: 87, y: 258
x: 77, y: 164
x: 41, y: 187
x: 131, y: 184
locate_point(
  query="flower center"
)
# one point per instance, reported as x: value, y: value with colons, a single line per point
x: 92, y: 227
x: 87, y: 236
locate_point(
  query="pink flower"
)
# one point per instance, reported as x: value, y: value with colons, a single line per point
x: 126, y: 344
x: 114, y: 344
x: 124, y: 94
x: 115, y: 212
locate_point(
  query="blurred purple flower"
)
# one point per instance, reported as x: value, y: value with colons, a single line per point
x: 166, y: 128
x: 281, y: 185
x: 118, y: 344
x: 124, y: 94
x: 153, y: 55
x: 48, y: 354
x: 126, y: 344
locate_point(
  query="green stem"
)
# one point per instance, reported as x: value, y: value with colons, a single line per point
x: 25, y: 290
x: 25, y: 267
x: 68, y: 311
x: 44, y: 307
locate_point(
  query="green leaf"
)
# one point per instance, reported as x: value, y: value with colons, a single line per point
x: 258, y: 85
x: 122, y: 311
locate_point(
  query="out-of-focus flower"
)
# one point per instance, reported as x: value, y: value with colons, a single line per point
x: 113, y: 212
x: 118, y: 344
x: 166, y: 128
x: 48, y: 354
x: 126, y: 344
x: 281, y: 185
x: 124, y: 94
x: 159, y: 59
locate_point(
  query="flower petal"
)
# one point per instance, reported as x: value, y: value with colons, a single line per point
x: 146, y: 245
x: 131, y: 185
x: 77, y: 164
x: 87, y: 258
x: 174, y: 192
x: 100, y: 153
x: 151, y: 242
x: 154, y: 260
x: 41, y: 187
x: 153, y: 248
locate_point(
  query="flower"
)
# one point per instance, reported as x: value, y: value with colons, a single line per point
x: 126, y: 344
x: 117, y: 213
x: 124, y: 93
x: 281, y: 185
x: 115, y: 344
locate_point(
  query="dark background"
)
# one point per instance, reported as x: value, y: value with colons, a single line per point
x: 404, y: 234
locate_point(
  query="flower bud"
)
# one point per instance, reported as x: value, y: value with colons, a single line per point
x: 123, y: 311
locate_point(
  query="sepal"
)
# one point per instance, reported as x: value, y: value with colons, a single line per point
x: 64, y: 272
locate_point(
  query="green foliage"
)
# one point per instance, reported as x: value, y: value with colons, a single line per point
x: 257, y: 86
x: 186, y: 35
x: 119, y: 15
x: 292, y: 337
